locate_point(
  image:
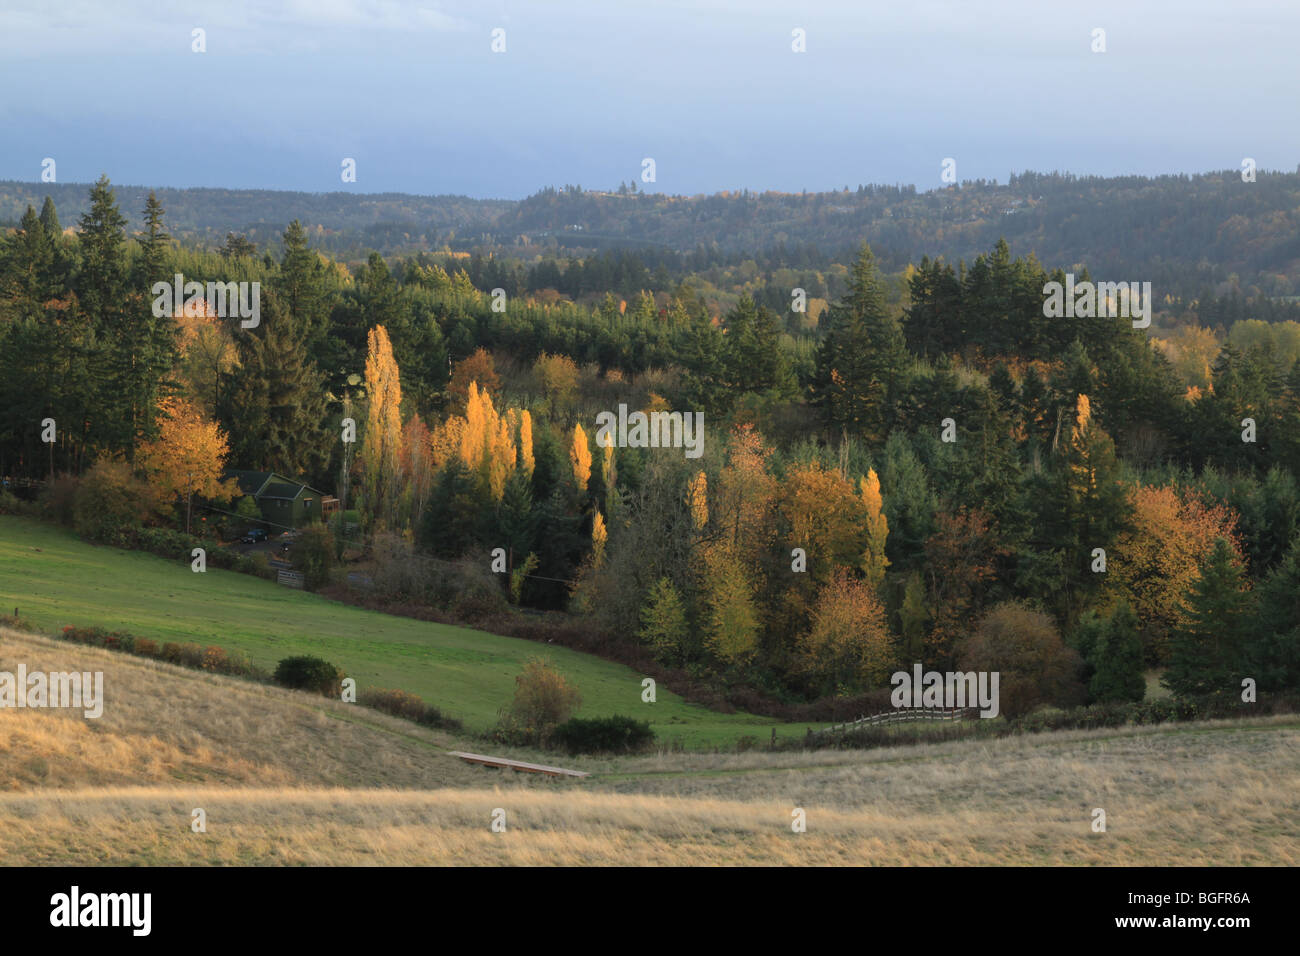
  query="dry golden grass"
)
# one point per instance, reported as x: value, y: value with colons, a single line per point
x: 163, y: 724
x: 291, y: 779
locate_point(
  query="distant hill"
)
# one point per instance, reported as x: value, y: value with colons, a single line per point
x: 1181, y: 232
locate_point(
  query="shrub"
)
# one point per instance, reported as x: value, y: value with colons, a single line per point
x: 11, y: 504
x: 403, y: 704
x: 313, y: 555
x: 145, y: 647
x: 109, y: 499
x: 309, y: 673
x: 544, y: 699
x: 1036, y: 667
x: 617, y: 734
x: 58, y: 499
x: 186, y: 655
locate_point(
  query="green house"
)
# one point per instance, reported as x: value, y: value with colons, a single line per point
x: 282, y: 502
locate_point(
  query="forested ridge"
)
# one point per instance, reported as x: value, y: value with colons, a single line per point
x: 918, y: 465
x: 1188, y: 235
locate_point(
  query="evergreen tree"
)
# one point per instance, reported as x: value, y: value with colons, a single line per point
x: 1116, y: 659
x: 275, y: 403
x: 860, y: 367
x: 1209, y: 652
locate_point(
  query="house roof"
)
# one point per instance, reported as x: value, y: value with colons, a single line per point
x: 269, y: 484
x: 250, y: 482
x: 282, y: 489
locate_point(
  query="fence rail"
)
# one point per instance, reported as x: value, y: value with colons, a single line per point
x: 290, y: 579
x: 901, y: 715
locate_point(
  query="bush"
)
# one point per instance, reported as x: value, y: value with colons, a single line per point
x: 11, y: 504
x: 109, y: 499
x: 616, y: 735
x: 186, y: 655
x: 309, y: 673
x: 1022, y: 645
x: 543, y: 700
x: 58, y: 499
x: 313, y: 555
x: 406, y: 705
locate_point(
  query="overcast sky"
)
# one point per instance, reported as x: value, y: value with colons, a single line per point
x: 584, y: 91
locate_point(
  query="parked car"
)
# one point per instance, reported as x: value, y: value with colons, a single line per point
x: 254, y: 536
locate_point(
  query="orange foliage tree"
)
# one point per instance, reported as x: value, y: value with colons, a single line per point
x: 1157, y: 561
x: 849, y: 645
x: 187, y: 458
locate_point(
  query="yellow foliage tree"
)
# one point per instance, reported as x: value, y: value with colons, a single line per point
x: 849, y: 645
x: 580, y: 458
x: 1158, y: 559
x: 874, y: 561
x: 599, y: 535
x: 187, y: 457
x: 381, y: 455
x: 731, y: 616
x: 697, y: 499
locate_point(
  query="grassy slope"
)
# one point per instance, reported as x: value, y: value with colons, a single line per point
x: 54, y: 579
x: 289, y: 778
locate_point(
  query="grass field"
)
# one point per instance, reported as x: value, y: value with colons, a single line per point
x: 289, y: 778
x: 54, y: 579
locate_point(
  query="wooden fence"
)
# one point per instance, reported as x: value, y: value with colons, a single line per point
x: 290, y: 579
x: 903, y: 714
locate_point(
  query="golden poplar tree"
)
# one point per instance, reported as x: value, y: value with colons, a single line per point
x: 599, y: 535
x: 381, y: 455
x: 876, y: 524
x: 580, y: 457
x: 526, y: 442
x: 697, y: 499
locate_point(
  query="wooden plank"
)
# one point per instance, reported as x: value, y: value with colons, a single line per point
x: 505, y: 763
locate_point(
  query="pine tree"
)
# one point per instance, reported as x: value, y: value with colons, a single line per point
x: 1208, y: 653
x: 1116, y: 659
x: 860, y: 367
x: 102, y: 294
x: 275, y: 405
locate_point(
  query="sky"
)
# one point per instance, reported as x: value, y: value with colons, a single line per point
x: 584, y: 92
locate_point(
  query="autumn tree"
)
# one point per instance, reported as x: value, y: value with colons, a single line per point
x: 1157, y: 559
x: 876, y: 529
x: 959, y: 564
x: 580, y: 459
x: 849, y: 646
x: 1034, y: 664
x: 478, y: 369
x: 544, y: 698
x: 187, y: 458
x: 557, y: 376
x: 381, y: 451
x: 732, y: 621
x: 663, y: 622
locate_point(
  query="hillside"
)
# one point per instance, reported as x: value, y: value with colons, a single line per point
x: 55, y: 580
x: 290, y: 779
